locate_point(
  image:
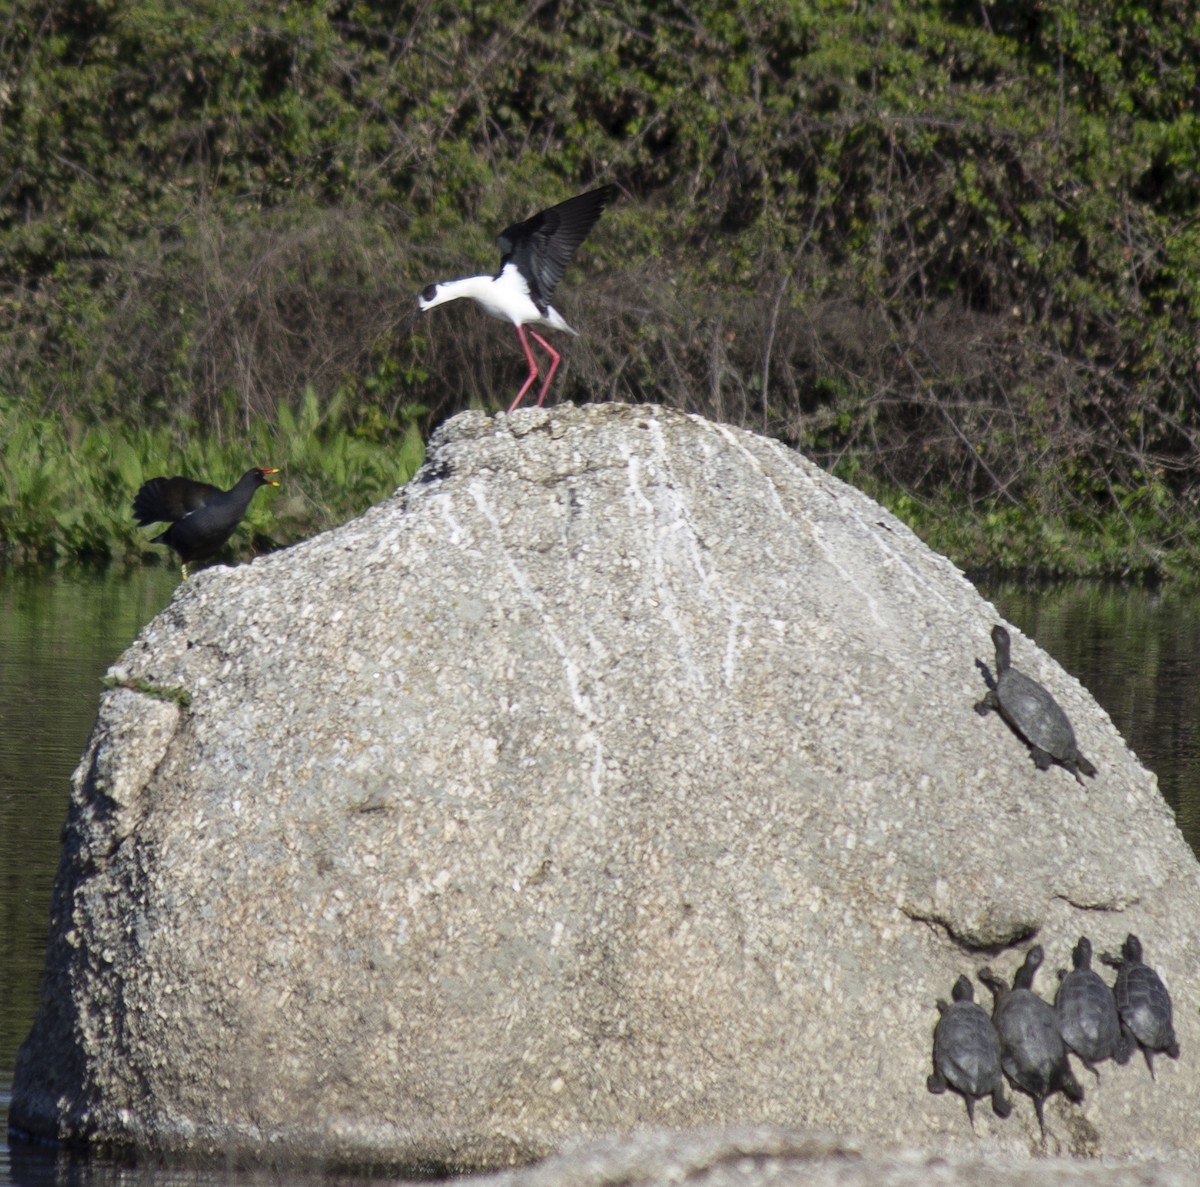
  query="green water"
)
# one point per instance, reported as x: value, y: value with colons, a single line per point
x: 58, y: 634
x: 1138, y: 652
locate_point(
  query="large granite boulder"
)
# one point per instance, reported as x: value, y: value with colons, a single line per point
x: 619, y: 772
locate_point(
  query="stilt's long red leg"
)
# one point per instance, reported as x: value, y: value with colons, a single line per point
x: 555, y: 357
x: 533, y: 371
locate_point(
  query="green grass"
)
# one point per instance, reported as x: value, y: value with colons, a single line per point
x: 1142, y: 546
x: 176, y: 695
x: 66, y: 486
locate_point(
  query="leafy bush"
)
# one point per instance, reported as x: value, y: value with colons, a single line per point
x: 66, y: 487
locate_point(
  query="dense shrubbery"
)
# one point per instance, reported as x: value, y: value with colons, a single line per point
x: 66, y: 487
x: 949, y: 249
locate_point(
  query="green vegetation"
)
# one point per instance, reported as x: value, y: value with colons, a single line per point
x: 175, y: 695
x: 949, y: 250
x: 66, y: 487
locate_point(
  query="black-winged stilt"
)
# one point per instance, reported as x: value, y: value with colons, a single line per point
x: 534, y: 256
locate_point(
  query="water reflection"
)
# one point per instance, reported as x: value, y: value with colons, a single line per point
x: 58, y: 634
x: 1136, y: 651
x: 41, y: 1166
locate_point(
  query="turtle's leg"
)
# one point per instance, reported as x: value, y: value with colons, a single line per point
x: 1131, y: 1040
x: 1068, y: 765
x: 1041, y: 759
x: 1001, y: 1105
x: 1124, y: 1048
x: 936, y: 1083
x: 989, y: 701
x: 985, y: 673
x: 1071, y: 1087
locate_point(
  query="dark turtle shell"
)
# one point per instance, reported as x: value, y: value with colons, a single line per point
x: 1032, y: 712
x: 966, y: 1052
x: 1143, y: 1003
x: 1087, y: 1012
x: 1032, y: 1052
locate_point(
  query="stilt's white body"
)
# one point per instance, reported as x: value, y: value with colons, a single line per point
x: 535, y: 255
x: 505, y: 297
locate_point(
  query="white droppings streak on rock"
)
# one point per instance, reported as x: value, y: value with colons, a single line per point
x: 570, y: 669
x: 664, y: 600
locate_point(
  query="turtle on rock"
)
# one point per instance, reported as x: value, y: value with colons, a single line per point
x: 1087, y: 1012
x: 966, y: 1052
x: 1032, y: 1052
x: 1030, y: 710
x: 1143, y: 1003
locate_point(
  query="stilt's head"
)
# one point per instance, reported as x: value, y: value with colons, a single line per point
x: 431, y: 295
x: 479, y: 288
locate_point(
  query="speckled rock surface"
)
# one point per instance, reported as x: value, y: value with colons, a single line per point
x: 621, y: 771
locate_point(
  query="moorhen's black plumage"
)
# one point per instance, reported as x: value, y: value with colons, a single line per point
x: 202, y: 516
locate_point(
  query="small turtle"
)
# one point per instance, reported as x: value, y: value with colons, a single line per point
x: 1087, y: 1012
x: 1031, y: 1049
x: 1143, y: 1003
x: 966, y: 1052
x: 1031, y: 711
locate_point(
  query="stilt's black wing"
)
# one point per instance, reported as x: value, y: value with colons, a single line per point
x: 542, y: 246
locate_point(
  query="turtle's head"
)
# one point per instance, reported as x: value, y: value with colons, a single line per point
x: 1003, y: 648
x: 1023, y: 978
